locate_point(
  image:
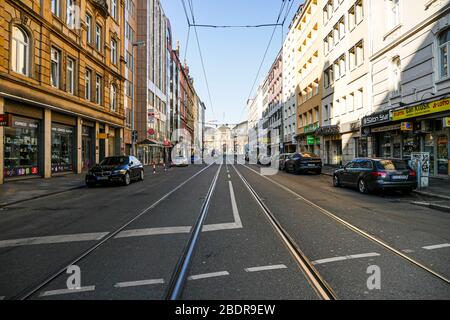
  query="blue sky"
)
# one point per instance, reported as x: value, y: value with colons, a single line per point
x: 232, y: 56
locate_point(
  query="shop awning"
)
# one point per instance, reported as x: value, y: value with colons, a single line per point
x: 151, y: 143
x: 328, y: 131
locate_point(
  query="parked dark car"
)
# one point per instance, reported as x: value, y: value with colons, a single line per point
x: 116, y: 170
x: 304, y: 162
x: 282, y: 160
x: 369, y: 175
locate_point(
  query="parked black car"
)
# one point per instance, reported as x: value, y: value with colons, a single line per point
x: 116, y: 170
x: 304, y: 162
x: 369, y: 175
x: 282, y: 160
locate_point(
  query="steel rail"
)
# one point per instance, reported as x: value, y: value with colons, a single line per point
x: 30, y: 291
x: 322, y: 288
x: 179, y: 276
x: 354, y: 228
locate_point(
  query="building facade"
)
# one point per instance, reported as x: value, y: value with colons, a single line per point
x: 61, y: 86
x: 345, y: 79
x: 152, y: 94
x: 309, y: 76
x: 410, y: 82
x: 290, y: 57
x: 275, y: 108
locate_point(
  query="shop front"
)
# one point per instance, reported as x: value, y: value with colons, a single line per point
x: 420, y: 128
x: 151, y: 152
x: 308, y: 140
x: 331, y: 142
x: 21, y: 150
x: 63, y: 142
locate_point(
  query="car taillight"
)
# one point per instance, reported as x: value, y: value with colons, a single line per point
x: 379, y: 174
x: 412, y: 173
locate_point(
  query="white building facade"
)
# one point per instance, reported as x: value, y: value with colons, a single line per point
x: 410, y: 81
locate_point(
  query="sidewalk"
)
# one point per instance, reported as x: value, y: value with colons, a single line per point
x: 13, y: 192
x: 21, y: 190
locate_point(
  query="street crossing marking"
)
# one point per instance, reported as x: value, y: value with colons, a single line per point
x: 139, y: 283
x: 266, y: 268
x: 153, y: 232
x: 66, y: 291
x: 343, y: 258
x: 438, y: 246
x: 209, y: 275
x: 53, y: 239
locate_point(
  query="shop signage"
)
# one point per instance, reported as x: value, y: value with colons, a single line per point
x: 151, y: 116
x: 311, y: 128
x: 407, y: 126
x: 310, y: 140
x: 25, y: 124
x: 102, y: 136
x: 5, y: 120
x: 151, y: 132
x: 387, y: 128
x: 420, y: 110
x: 62, y: 130
x: 377, y: 118
x: 447, y: 122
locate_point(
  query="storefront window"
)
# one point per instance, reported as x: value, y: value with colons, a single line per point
x: 411, y: 143
x: 21, y: 148
x: 442, y: 154
x: 62, y: 152
x: 386, y: 146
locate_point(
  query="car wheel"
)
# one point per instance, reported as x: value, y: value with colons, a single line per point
x: 362, y: 187
x: 141, y: 176
x: 126, y: 179
x: 336, y: 181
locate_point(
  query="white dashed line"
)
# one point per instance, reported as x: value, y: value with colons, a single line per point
x: 438, y: 246
x: 139, y: 283
x: 229, y: 177
x: 66, y: 291
x: 53, y: 239
x: 266, y: 268
x: 209, y: 275
x: 343, y: 258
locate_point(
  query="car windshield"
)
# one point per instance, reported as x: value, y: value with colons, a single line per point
x: 308, y: 155
x: 392, y: 165
x: 115, y: 161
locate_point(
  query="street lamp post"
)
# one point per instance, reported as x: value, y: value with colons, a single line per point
x: 133, y: 122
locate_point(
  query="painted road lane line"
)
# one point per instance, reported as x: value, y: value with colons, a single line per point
x: 139, y: 283
x: 53, y: 239
x: 266, y: 268
x: 209, y: 275
x: 153, y: 232
x: 343, y: 258
x: 66, y: 291
x: 438, y: 246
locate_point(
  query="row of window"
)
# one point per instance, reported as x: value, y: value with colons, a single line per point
x: 355, y: 16
x: 309, y: 117
x: 338, y: 69
x: 99, y: 40
x: 344, y: 105
x: 310, y: 91
x: 57, y: 7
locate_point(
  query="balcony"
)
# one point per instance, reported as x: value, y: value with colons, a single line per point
x: 102, y: 6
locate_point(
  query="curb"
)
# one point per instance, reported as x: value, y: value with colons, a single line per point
x: 41, y: 196
x: 433, y: 195
x: 432, y: 206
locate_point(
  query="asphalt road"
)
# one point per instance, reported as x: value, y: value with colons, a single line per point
x: 239, y: 255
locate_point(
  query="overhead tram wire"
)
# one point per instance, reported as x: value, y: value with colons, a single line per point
x: 200, y: 52
x: 265, y: 53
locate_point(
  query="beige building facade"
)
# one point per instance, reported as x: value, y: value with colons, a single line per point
x: 61, y: 84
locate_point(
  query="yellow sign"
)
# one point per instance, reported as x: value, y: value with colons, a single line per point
x: 423, y: 109
x: 407, y: 126
x: 102, y: 136
x: 447, y: 122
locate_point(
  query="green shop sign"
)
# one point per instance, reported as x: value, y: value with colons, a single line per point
x: 311, y: 128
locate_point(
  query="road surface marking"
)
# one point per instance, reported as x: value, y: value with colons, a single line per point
x: 266, y: 268
x: 343, y: 258
x: 209, y: 275
x: 438, y: 246
x: 66, y: 291
x: 237, y: 218
x: 153, y: 232
x: 2, y: 298
x: 139, y: 283
x: 408, y: 251
x: 229, y: 177
x: 53, y: 239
